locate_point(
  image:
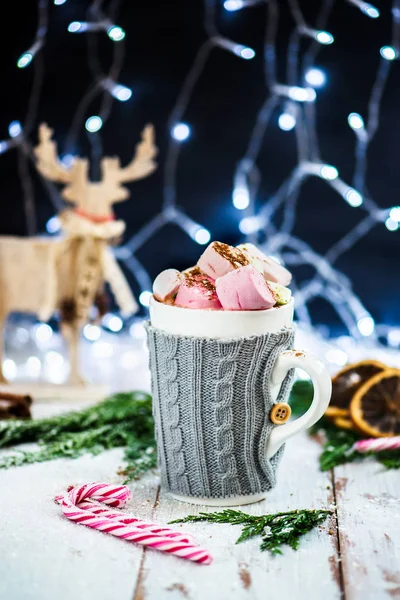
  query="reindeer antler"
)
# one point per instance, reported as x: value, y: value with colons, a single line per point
x: 48, y: 163
x: 142, y: 163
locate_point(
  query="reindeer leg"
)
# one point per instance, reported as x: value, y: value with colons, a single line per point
x: 72, y: 333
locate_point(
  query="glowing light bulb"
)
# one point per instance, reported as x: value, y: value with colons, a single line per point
x: 353, y: 198
x: 4, y: 146
x: 286, y: 121
x: 91, y: 332
x: 247, y: 53
x: 93, y: 124
x: 67, y: 160
x: 395, y: 213
x: 24, y: 60
x: 118, y: 91
x: 238, y: 49
x: 33, y: 366
x: 202, y: 236
x: 324, y: 37
x: 355, y: 121
x: 315, y: 77
x: 9, y: 369
x: 249, y: 225
x: 302, y: 94
x: 144, y: 298
x: 53, y: 225
x: 116, y: 33
x: 59, y: 2
x: 232, y: 5
x: 55, y: 360
x: 137, y: 331
x: 369, y: 10
x: 113, y: 322
x: 43, y: 333
x: 337, y: 356
x: 329, y: 172
x: 240, y: 198
x: 388, y: 52
x: 391, y: 224
x: 22, y: 335
x: 180, y: 132
x: 366, y: 326
x: 75, y: 26
x: 121, y: 92
x: 14, y: 129
x: 394, y: 338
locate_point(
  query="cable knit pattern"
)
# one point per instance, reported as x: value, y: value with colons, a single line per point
x: 177, y: 468
x: 212, y: 400
x: 158, y: 432
x: 224, y: 417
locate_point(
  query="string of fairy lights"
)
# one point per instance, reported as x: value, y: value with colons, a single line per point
x: 107, y: 84
x: 271, y: 223
x: 19, y: 134
x: 179, y: 132
x: 298, y: 98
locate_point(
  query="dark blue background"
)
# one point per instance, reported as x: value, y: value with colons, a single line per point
x: 162, y: 39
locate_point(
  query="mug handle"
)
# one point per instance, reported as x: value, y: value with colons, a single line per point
x: 322, y: 383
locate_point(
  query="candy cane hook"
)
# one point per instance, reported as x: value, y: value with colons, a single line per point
x: 82, y: 505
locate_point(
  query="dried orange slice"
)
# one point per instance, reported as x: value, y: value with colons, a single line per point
x: 375, y: 408
x: 343, y: 422
x: 346, y: 383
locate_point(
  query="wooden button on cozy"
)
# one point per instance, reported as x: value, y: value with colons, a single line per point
x: 280, y: 413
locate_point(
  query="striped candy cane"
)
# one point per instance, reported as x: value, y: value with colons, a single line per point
x: 377, y: 444
x: 82, y: 505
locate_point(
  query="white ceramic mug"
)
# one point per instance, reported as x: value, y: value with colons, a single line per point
x: 228, y: 325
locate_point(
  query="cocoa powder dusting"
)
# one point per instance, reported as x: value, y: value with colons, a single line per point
x: 196, y: 277
x: 235, y: 256
x: 192, y: 271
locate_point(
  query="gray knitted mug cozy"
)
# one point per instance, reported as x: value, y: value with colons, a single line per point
x: 211, y: 405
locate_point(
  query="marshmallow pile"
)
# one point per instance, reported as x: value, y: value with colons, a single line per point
x: 226, y: 278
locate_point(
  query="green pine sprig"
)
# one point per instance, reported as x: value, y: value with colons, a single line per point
x: 139, y: 460
x: 115, y: 409
x: 123, y: 420
x: 275, y: 530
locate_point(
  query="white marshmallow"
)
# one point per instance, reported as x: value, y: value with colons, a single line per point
x: 166, y: 285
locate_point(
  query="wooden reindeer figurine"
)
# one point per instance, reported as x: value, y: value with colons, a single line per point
x: 68, y: 273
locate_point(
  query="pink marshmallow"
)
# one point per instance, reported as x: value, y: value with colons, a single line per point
x: 197, y: 291
x: 218, y: 259
x: 273, y: 271
x: 166, y: 285
x: 244, y: 289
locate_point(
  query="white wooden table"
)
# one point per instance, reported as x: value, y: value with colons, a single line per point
x: 354, y: 555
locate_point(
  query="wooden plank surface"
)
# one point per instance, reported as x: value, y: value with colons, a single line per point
x: 242, y: 571
x: 368, y: 506
x: 43, y: 555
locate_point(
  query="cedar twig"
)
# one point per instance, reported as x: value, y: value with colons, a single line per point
x: 124, y: 420
x: 275, y: 530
